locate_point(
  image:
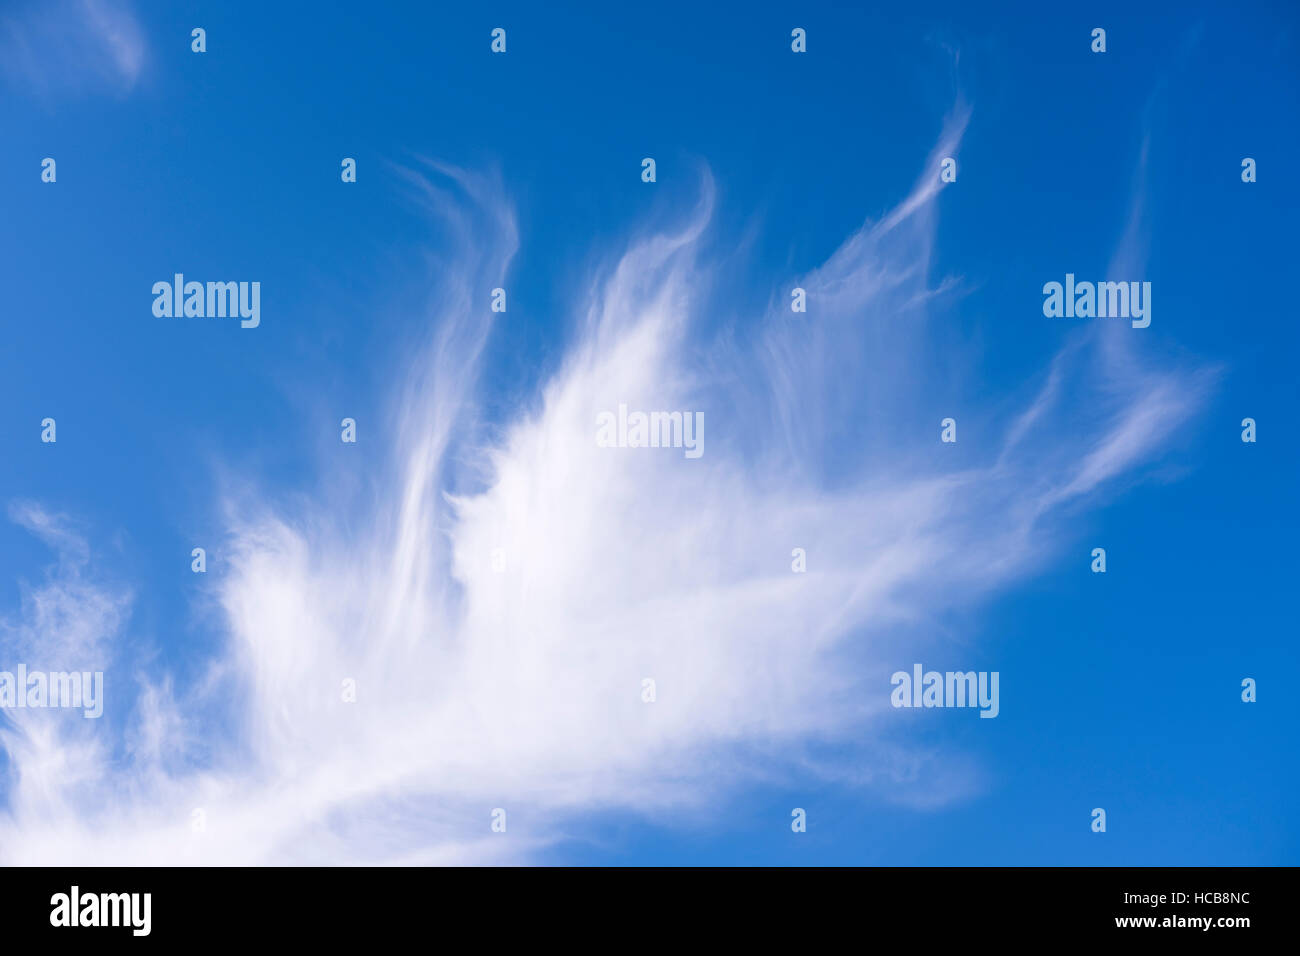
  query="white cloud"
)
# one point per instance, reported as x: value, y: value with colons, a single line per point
x: 70, y: 47
x: 521, y: 689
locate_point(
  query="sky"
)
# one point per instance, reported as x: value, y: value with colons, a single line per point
x: 430, y: 645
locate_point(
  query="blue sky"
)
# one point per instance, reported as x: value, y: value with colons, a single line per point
x: 480, y: 689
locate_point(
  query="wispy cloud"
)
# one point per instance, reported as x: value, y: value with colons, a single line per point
x: 71, y: 47
x: 518, y: 684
